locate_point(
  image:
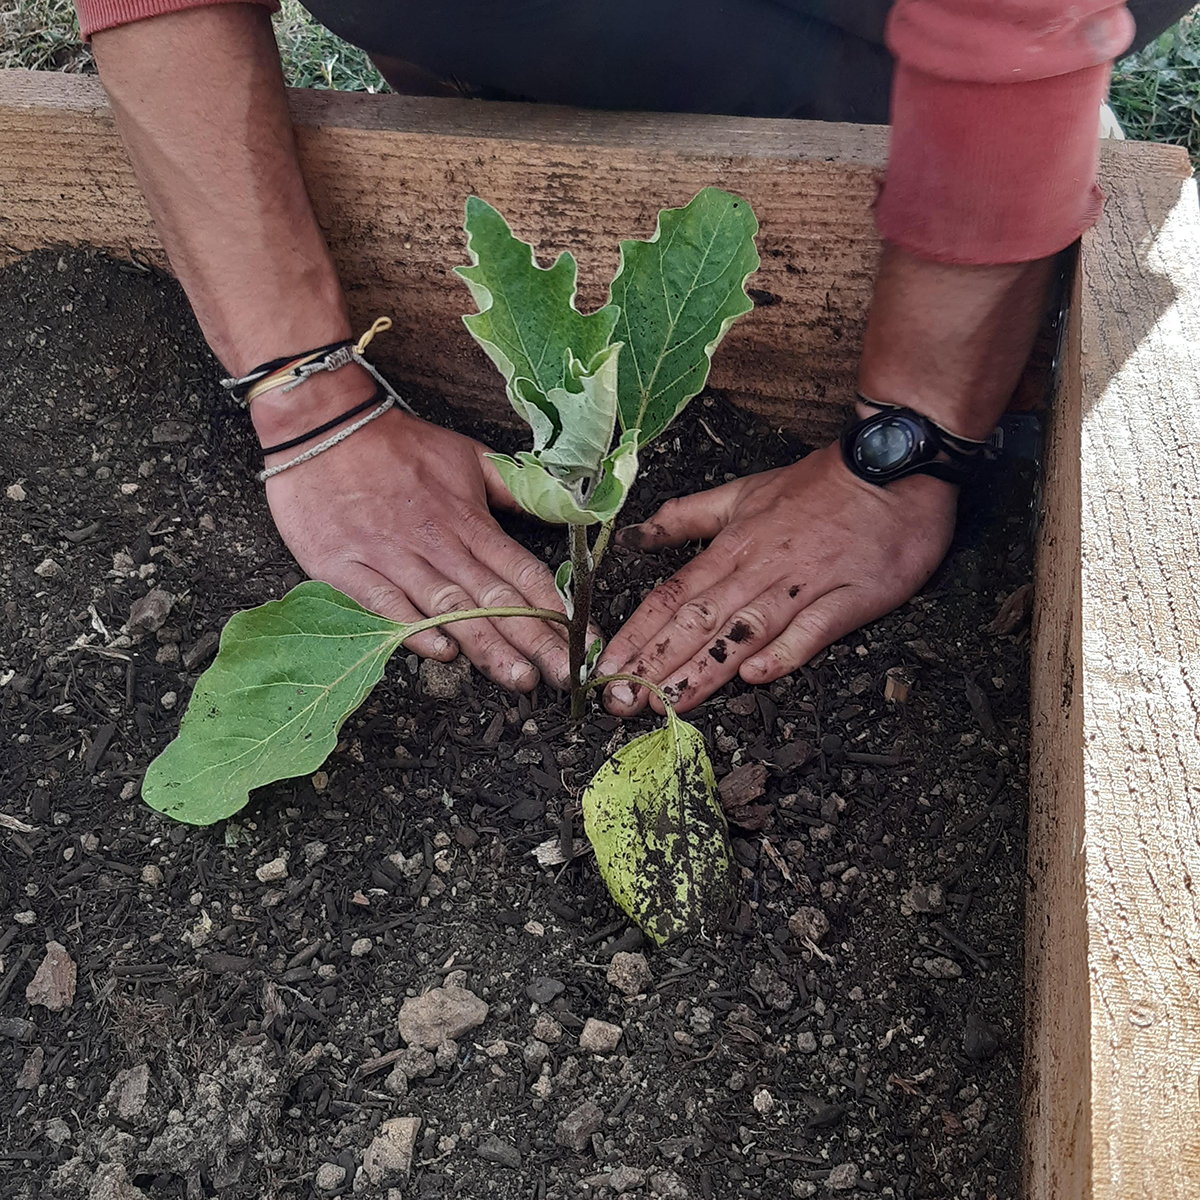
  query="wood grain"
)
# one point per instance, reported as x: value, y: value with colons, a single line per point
x: 1113, y: 922
x: 389, y: 177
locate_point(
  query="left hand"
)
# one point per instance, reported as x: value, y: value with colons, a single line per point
x: 799, y: 557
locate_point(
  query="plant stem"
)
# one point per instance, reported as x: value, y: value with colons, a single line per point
x: 604, y: 680
x: 581, y: 593
x: 471, y: 614
x: 601, y: 544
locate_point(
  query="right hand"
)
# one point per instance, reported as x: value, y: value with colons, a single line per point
x: 397, y: 516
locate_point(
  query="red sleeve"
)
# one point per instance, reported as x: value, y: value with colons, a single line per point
x: 95, y: 15
x: 995, y: 112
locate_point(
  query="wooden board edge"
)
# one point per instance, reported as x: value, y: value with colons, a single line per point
x: 1056, y: 1082
x: 1112, y: 1070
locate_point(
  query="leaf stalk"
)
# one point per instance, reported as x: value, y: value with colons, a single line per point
x: 582, y: 570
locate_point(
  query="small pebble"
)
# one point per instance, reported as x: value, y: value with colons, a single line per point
x: 152, y: 876
x: 843, y: 1177
x: 547, y: 1029
x: 273, y: 871
x: 599, y: 1037
x: 629, y: 973
x: 169, y: 700
x: 361, y: 947
x: 808, y: 923
x: 942, y: 967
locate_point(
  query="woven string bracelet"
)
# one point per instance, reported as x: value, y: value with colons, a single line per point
x: 374, y: 398
x: 291, y: 371
x: 239, y: 389
x: 341, y: 435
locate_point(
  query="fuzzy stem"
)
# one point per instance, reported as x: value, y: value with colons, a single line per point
x: 605, y: 680
x: 581, y: 594
x: 471, y: 614
x: 601, y: 544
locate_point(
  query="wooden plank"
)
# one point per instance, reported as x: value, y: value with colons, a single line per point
x: 389, y: 177
x: 1113, y: 921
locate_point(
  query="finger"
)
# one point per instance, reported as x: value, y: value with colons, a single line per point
x: 538, y: 641
x: 480, y: 640
x: 686, y: 519
x: 694, y: 625
x: 492, y: 547
x: 812, y: 629
x: 377, y: 593
x: 747, y: 631
x: 525, y: 571
x: 644, y: 629
x: 498, y: 495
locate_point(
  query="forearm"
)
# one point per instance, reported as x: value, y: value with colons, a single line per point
x: 199, y: 100
x: 951, y: 341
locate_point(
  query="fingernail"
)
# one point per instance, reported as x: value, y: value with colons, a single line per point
x: 755, y: 665
x: 606, y: 668
x: 441, y: 645
x: 622, y: 694
x: 521, y: 671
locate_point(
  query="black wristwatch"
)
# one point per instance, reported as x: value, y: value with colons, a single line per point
x: 896, y: 441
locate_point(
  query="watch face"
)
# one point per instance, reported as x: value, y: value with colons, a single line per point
x: 887, y: 445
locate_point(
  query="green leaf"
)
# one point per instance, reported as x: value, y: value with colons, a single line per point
x: 589, y: 659
x: 678, y: 294
x: 562, y: 585
x: 527, y: 319
x: 573, y: 425
x: 559, y: 502
x: 287, y: 675
x: 652, y: 814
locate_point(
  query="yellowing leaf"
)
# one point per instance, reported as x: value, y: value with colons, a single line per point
x: 652, y: 815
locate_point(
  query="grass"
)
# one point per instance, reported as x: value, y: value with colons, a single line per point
x: 1155, y: 93
x: 43, y: 35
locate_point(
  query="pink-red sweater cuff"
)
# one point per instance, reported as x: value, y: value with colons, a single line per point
x: 95, y: 15
x: 992, y: 173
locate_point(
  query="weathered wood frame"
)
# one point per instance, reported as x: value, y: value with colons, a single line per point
x: 1113, y: 921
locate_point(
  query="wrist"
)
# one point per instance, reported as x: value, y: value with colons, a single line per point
x: 278, y: 416
x: 951, y: 341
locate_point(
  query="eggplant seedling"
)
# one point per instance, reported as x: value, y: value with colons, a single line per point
x: 595, y: 390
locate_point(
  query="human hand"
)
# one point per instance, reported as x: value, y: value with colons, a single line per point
x: 397, y: 516
x: 799, y: 557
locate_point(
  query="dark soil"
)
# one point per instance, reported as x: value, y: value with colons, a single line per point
x: 883, y: 1059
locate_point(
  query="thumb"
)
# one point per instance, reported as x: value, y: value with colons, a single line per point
x: 686, y: 519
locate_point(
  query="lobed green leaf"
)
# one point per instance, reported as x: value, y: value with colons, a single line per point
x: 527, y: 319
x: 652, y: 815
x: 678, y: 294
x: 286, y: 677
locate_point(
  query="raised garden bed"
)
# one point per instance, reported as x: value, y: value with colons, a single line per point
x: 1112, y: 1033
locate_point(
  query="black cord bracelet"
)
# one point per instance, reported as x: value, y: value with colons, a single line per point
x: 240, y: 387
x: 377, y: 397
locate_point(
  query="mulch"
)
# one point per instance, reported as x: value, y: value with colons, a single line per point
x: 882, y: 1060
